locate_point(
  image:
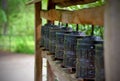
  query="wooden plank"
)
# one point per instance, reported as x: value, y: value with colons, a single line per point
x: 32, y: 2
x: 57, y: 70
x: 38, y: 58
x: 57, y: 73
x: 67, y: 3
x: 51, y: 76
x: 51, y: 5
x: 51, y: 14
x: 112, y: 40
x: 93, y: 16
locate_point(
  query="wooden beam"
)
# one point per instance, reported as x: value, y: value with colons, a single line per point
x: 51, y: 5
x: 93, y: 16
x: 38, y: 57
x: 67, y: 3
x: 112, y: 40
x: 32, y: 2
x: 51, y: 14
x: 61, y: 73
x: 50, y: 74
x: 58, y: 71
x: 58, y: 1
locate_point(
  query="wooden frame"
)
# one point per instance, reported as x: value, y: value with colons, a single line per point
x: 38, y: 58
x: 51, y: 15
x: 112, y: 37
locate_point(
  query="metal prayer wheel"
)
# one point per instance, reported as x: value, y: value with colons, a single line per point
x: 99, y: 62
x: 46, y: 35
x: 85, y: 53
x: 52, y: 38
x: 59, y: 50
x: 43, y: 28
x: 70, y: 42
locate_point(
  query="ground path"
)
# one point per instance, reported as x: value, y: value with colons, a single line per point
x: 17, y: 67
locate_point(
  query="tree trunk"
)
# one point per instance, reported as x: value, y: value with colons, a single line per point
x: 5, y: 7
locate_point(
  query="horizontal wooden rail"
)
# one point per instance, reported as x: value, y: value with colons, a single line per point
x: 33, y: 2
x: 94, y: 16
x: 59, y: 72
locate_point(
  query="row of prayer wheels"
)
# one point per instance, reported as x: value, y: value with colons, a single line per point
x: 75, y: 49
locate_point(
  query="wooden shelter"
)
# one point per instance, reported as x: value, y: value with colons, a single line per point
x: 94, y: 16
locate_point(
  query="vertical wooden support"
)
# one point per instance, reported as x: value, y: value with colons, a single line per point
x: 38, y: 58
x: 51, y: 5
x: 112, y: 40
x: 50, y: 74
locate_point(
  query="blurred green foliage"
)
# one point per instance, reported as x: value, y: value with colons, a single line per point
x: 20, y: 26
x: 17, y: 24
x: 3, y: 17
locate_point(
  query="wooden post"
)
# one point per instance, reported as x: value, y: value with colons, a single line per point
x: 38, y: 58
x: 112, y: 40
x: 51, y: 5
x: 50, y: 74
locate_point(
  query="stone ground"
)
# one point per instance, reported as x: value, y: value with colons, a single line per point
x: 18, y: 67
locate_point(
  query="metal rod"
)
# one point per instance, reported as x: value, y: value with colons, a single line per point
x: 66, y: 25
x: 92, y: 33
x: 77, y: 27
x: 59, y: 23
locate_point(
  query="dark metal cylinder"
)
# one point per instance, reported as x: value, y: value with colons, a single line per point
x: 85, y: 52
x: 70, y: 42
x: 52, y: 38
x: 59, y: 50
x: 42, y: 36
x: 46, y: 36
x: 99, y: 62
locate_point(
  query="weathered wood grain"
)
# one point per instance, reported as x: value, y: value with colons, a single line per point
x: 94, y: 16
x: 38, y: 57
x: 57, y: 70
